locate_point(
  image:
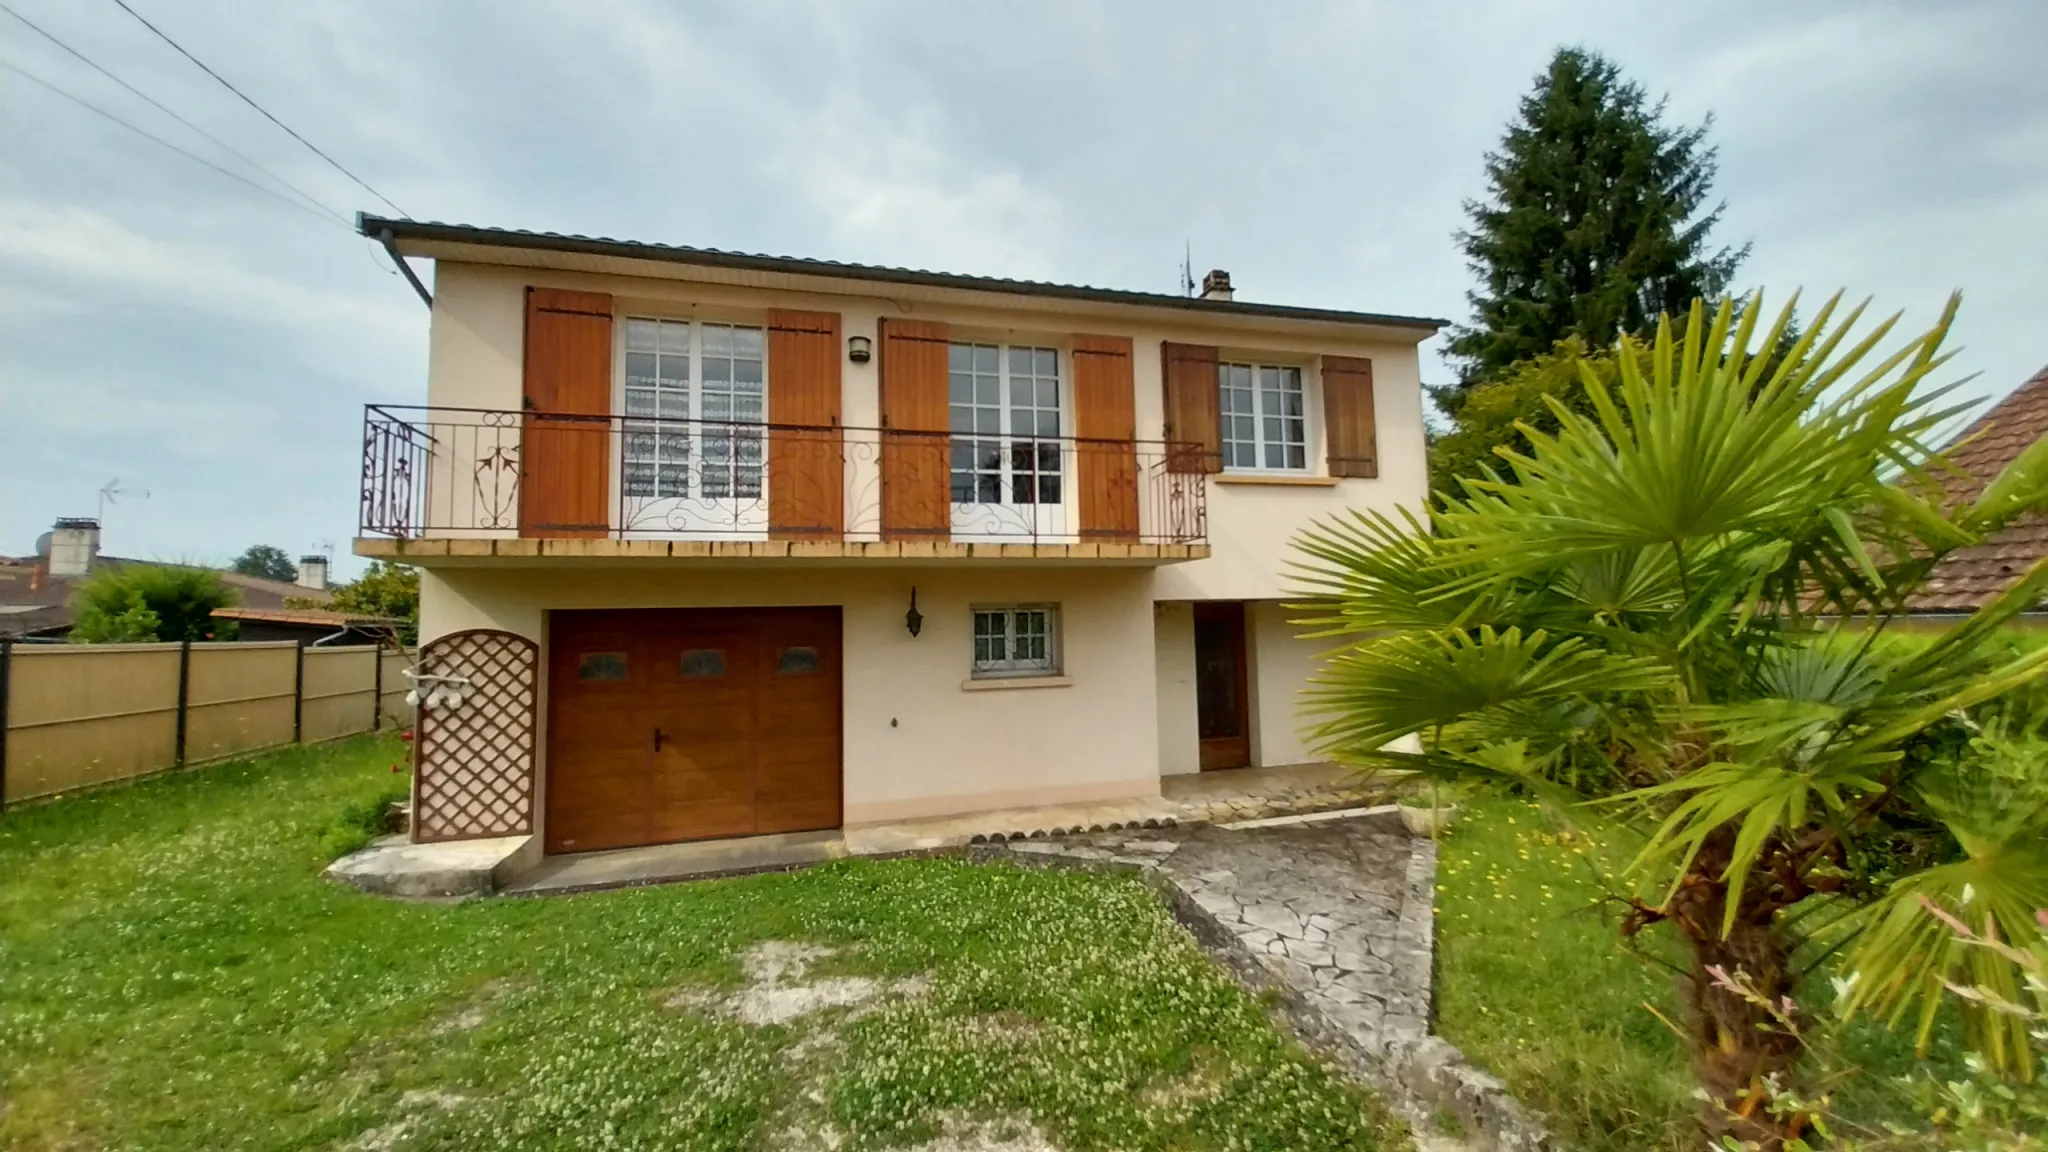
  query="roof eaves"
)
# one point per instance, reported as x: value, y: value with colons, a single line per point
x: 375, y: 227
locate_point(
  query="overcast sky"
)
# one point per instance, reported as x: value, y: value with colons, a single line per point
x: 163, y: 324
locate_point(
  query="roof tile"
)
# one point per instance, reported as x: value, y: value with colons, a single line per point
x: 1968, y: 577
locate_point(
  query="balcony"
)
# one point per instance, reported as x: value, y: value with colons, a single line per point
x: 458, y: 485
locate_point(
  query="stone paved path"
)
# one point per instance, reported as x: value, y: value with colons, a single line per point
x: 1340, y: 910
x: 1337, y: 916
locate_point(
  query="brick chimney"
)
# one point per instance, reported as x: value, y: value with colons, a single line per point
x: 1216, y: 285
x: 312, y: 573
x: 74, y: 545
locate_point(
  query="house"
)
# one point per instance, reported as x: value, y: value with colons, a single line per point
x: 35, y: 591
x: 1967, y: 577
x: 716, y: 545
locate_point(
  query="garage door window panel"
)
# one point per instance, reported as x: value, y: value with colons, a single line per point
x: 704, y: 664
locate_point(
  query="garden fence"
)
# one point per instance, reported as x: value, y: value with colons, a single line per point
x: 74, y: 715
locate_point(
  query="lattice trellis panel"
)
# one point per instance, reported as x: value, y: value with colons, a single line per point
x: 473, y: 761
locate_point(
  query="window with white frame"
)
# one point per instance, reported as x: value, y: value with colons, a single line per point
x: 1018, y: 641
x: 1264, y: 422
x: 695, y: 401
x: 1005, y: 422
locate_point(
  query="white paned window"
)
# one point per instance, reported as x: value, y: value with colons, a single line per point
x: 1264, y: 421
x: 1020, y: 641
x: 1005, y: 415
x: 733, y: 404
x: 658, y: 387
x: 695, y: 402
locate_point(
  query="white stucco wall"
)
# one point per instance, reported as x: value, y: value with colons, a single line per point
x: 916, y: 742
x: 1282, y: 663
x: 1173, y: 633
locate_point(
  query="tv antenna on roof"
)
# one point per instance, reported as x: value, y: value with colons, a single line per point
x: 1187, y: 269
x: 112, y: 492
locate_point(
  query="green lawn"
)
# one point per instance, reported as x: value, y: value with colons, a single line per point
x: 1533, y: 985
x: 175, y: 975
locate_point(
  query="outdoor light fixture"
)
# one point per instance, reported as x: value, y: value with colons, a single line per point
x: 913, y: 619
x: 859, y: 348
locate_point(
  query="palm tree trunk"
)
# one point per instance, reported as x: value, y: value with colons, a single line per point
x: 1743, y: 1047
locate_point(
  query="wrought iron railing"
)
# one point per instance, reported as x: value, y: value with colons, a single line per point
x: 464, y: 472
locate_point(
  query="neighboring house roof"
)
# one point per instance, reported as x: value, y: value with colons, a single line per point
x: 34, y: 603
x: 315, y: 616
x: 1968, y: 577
x: 416, y: 237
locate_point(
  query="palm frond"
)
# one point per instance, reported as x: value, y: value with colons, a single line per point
x: 1410, y: 682
x: 2019, y: 488
x: 1762, y: 802
x: 1680, y: 456
x: 1904, y: 956
x: 1367, y: 572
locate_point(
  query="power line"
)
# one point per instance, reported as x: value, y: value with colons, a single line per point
x: 258, y: 107
x: 224, y: 145
x: 147, y: 135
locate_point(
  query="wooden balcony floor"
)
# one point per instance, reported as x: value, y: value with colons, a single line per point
x: 459, y: 552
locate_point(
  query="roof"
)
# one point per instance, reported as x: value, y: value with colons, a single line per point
x: 322, y: 617
x: 420, y: 232
x: 32, y: 602
x: 1968, y: 577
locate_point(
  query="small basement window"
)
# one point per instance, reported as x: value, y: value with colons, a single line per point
x: 1016, y: 641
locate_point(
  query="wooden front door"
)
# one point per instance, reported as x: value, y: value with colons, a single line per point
x: 691, y: 724
x: 1222, y: 703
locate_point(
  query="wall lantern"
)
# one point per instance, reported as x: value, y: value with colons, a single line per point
x: 913, y: 619
x: 859, y: 349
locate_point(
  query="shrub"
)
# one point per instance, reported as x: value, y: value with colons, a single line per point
x: 360, y: 821
x: 139, y: 603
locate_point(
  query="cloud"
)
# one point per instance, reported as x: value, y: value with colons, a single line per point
x: 104, y: 258
x: 889, y: 194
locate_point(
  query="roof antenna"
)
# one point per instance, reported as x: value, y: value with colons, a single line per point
x: 1187, y: 269
x: 111, y: 493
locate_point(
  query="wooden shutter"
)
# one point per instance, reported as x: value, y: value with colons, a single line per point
x: 1348, y: 417
x: 1193, y: 426
x: 566, y: 442
x: 1106, y: 435
x: 915, y: 444
x: 806, y: 470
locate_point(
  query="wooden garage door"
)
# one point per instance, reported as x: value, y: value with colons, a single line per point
x: 691, y: 724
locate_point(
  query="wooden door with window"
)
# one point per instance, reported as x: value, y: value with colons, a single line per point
x: 691, y: 724
x: 1222, y: 701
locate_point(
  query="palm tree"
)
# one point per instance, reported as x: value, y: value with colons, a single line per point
x: 1686, y: 606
